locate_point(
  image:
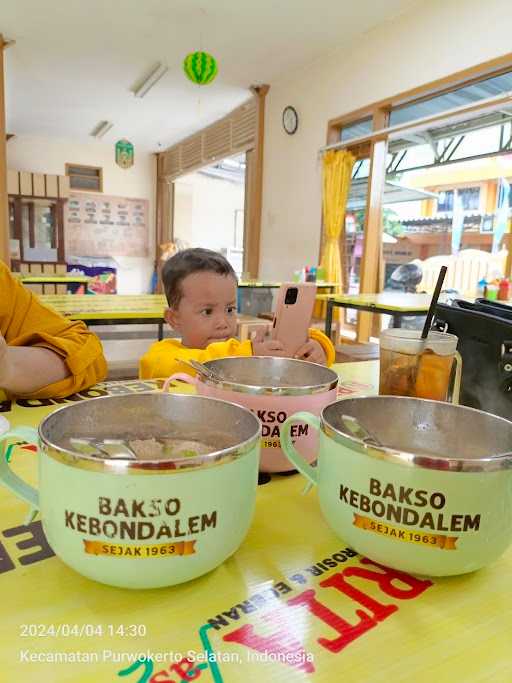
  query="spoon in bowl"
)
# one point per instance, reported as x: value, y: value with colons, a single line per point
x: 202, y: 370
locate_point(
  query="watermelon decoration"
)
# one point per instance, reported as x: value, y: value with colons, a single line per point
x: 200, y: 67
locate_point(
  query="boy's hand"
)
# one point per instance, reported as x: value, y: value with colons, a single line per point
x: 313, y: 352
x: 269, y: 347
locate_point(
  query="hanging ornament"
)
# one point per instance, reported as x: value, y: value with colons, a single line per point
x: 124, y: 153
x: 200, y: 67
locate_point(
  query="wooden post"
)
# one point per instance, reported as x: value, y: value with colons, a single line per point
x: 254, y: 184
x: 373, y: 224
x: 4, y: 199
x: 164, y: 215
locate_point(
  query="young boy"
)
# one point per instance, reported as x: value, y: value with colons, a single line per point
x: 42, y: 354
x: 201, y: 289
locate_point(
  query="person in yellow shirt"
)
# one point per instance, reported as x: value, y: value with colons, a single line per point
x: 201, y: 288
x: 43, y: 355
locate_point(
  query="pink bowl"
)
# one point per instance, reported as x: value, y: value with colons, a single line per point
x: 273, y: 389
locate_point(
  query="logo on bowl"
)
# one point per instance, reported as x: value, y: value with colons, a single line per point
x: 134, y: 520
x: 404, y: 505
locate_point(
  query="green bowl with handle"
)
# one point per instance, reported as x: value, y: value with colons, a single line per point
x: 421, y: 486
x: 149, y: 521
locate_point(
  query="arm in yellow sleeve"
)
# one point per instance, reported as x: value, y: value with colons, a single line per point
x: 325, y: 343
x: 163, y: 358
x: 26, y: 322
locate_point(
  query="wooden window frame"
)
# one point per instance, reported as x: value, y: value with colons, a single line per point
x: 253, y: 194
x: 374, y: 146
x: 57, y: 211
x: 79, y: 175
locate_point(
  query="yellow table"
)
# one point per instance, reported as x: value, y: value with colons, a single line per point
x: 274, y: 285
x: 395, y: 304
x: 118, y: 309
x: 276, y: 593
x: 111, y: 309
x: 54, y: 279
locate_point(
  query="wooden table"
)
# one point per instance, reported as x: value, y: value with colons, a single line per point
x: 276, y: 285
x: 111, y: 309
x: 277, y: 592
x: 390, y: 303
x: 54, y: 279
x: 119, y: 309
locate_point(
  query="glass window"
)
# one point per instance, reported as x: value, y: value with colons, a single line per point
x: 12, y: 221
x: 357, y: 129
x: 85, y: 177
x: 39, y: 231
x: 470, y: 198
x: 467, y: 94
x: 445, y: 201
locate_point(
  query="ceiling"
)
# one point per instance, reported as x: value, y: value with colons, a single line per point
x: 74, y: 63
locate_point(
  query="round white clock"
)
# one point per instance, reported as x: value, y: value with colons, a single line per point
x: 290, y: 120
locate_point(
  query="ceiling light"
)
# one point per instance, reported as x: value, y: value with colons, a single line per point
x: 101, y: 129
x: 156, y: 74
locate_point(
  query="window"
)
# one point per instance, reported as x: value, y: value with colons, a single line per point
x: 445, y: 201
x: 490, y: 87
x: 470, y: 198
x: 357, y: 129
x: 88, y: 178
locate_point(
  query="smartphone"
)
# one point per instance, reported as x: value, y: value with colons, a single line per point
x: 295, y: 303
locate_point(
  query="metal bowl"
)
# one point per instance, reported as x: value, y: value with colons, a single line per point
x: 422, y: 433
x: 230, y: 429
x: 270, y: 375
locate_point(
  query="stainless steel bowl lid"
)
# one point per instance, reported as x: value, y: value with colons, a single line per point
x: 231, y: 430
x: 420, y: 433
x: 269, y: 375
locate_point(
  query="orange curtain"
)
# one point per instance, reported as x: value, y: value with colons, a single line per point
x: 337, y: 175
x: 336, y: 179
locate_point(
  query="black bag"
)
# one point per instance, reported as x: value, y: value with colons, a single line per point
x: 484, y: 329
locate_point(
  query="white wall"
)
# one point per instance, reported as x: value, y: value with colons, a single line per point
x: 49, y: 155
x: 435, y: 39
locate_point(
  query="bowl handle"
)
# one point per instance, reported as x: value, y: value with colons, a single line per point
x: 11, y: 480
x: 182, y: 376
x: 311, y: 473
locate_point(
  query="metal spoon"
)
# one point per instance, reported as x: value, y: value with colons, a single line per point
x: 110, y: 448
x: 202, y: 370
x: 360, y: 432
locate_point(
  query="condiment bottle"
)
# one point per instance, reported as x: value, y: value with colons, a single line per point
x: 504, y: 290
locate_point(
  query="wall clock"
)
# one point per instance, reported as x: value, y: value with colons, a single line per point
x: 290, y: 120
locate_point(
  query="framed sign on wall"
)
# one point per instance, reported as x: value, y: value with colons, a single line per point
x: 99, y: 225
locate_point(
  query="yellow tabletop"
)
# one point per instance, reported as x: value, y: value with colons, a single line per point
x: 393, y: 301
x: 255, y: 283
x: 107, y: 306
x: 272, y: 594
x: 54, y: 279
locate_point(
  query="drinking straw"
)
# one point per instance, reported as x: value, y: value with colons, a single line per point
x: 433, y: 303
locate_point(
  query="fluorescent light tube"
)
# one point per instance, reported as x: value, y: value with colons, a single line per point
x: 101, y: 129
x: 153, y: 78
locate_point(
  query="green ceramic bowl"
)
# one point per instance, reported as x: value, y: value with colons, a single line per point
x: 434, y: 498
x: 144, y: 523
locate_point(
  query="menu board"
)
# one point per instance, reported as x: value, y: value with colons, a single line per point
x: 99, y: 225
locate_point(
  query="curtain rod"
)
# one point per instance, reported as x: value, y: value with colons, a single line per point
x: 449, y: 116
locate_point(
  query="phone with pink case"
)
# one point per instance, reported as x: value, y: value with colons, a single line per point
x: 293, y: 315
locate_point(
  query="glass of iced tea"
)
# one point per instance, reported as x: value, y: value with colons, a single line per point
x: 411, y: 367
